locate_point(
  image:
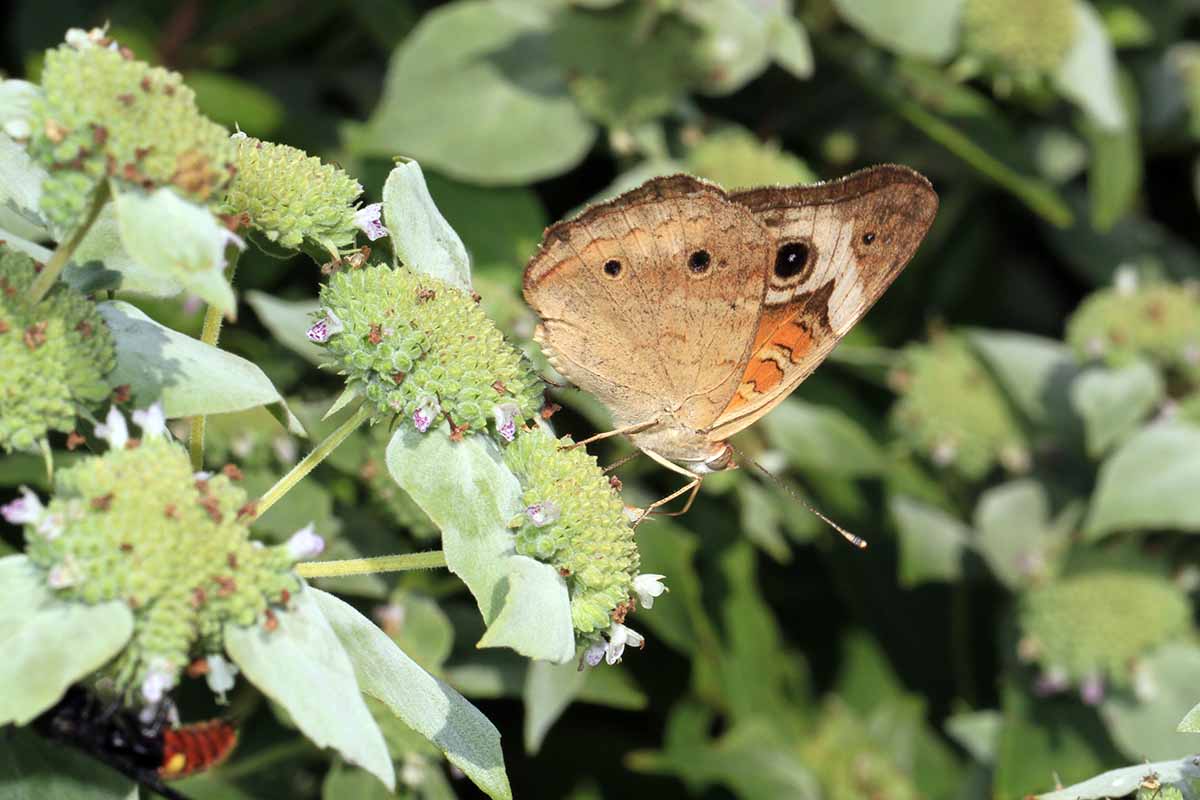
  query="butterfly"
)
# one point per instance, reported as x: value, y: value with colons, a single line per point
x: 690, y: 312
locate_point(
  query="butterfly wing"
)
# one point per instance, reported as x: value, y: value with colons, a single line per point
x: 650, y: 301
x: 839, y: 245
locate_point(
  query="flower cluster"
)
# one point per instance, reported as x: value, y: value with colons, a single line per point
x: 951, y: 410
x: 136, y: 524
x: 417, y: 347
x: 1156, y: 321
x: 291, y: 197
x: 55, y: 353
x: 105, y: 115
x: 1091, y: 627
x: 1020, y: 36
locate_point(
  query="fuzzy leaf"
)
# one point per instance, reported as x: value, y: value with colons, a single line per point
x: 426, y: 704
x: 179, y: 240
x: 822, y: 439
x: 1033, y: 371
x: 488, y: 61
x: 187, y: 375
x: 549, y: 689
x: 470, y: 494
x: 1015, y: 533
x: 1149, y: 482
x: 1114, y: 401
x: 1125, y: 781
x: 931, y: 541
x: 926, y: 29
x: 49, y: 644
x: 1147, y: 727
x: 21, y: 182
x: 102, y: 262
x: 1088, y: 74
x: 421, y: 237
x: 288, y: 321
x: 289, y: 665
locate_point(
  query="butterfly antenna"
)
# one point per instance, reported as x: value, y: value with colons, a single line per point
x: 852, y: 538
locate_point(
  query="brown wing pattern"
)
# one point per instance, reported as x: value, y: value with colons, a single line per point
x: 854, y: 235
x: 650, y: 301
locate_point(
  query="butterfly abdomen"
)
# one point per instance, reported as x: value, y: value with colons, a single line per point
x: 197, y: 747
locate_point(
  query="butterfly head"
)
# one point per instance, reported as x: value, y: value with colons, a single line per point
x: 722, y: 460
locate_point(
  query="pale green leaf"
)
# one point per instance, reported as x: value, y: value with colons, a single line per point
x: 102, y: 262
x: 549, y: 689
x: 1127, y: 780
x: 923, y: 28
x: 21, y: 185
x: 1034, y: 372
x: 469, y: 94
x: 188, y: 376
x: 470, y: 494
x: 931, y: 541
x: 48, y: 643
x: 421, y: 238
x: 302, y: 666
x: 1088, y: 74
x: 288, y: 321
x: 1114, y: 401
x: 790, y: 46
x: 426, y: 704
x: 822, y: 439
x: 1147, y: 727
x: 1149, y: 482
x: 977, y: 732
x: 177, y: 239
x: 1015, y: 535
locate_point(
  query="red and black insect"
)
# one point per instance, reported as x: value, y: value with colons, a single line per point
x: 149, y: 752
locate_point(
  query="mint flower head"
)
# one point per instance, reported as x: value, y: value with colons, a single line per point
x: 138, y: 525
x: 105, y: 115
x: 1020, y: 36
x: 55, y: 354
x: 420, y: 349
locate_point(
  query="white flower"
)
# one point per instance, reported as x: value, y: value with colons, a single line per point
x: 114, y: 430
x: 202, y: 475
x: 325, y: 328
x: 63, y: 574
x: 238, y: 135
x: 369, y: 220
x: 594, y: 654
x: 1125, y: 281
x: 151, y: 420
x: 26, y: 508
x: 506, y: 420
x: 159, y: 680
x: 305, y: 543
x: 221, y: 676
x: 543, y: 513
x: 82, y: 40
x: 648, y: 587
x: 618, y: 637
x: 426, y: 413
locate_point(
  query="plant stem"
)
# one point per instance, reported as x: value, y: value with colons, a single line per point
x: 209, y: 334
x: 306, y: 464
x: 369, y: 566
x: 62, y: 254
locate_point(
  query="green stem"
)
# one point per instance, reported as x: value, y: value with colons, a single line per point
x: 209, y: 334
x: 310, y: 461
x: 62, y: 254
x: 400, y: 562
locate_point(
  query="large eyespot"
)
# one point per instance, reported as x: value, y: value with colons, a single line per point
x: 868, y: 237
x: 698, y: 261
x: 791, y: 259
x: 612, y: 268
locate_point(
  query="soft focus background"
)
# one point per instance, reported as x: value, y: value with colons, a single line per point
x: 1013, y: 427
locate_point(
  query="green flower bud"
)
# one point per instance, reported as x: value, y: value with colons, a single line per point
x: 1094, y: 625
x: 420, y: 348
x: 136, y: 524
x: 104, y: 114
x: 292, y: 197
x: 736, y: 158
x: 575, y: 521
x: 952, y: 412
x: 1159, y: 322
x: 1024, y: 36
x: 55, y: 355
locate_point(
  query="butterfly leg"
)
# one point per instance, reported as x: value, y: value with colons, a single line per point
x: 692, y: 486
x: 640, y: 426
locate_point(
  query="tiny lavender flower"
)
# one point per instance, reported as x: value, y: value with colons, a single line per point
x: 1052, y: 681
x: 369, y: 221
x: 324, y: 328
x: 594, y: 654
x: 221, y: 676
x: 505, y: 415
x: 26, y: 508
x: 648, y: 587
x: 1091, y: 691
x: 426, y: 413
x: 305, y: 543
x: 543, y: 513
x: 114, y: 430
x: 618, y: 637
x: 151, y: 420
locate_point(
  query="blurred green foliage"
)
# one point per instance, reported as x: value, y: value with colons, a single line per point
x: 1014, y: 428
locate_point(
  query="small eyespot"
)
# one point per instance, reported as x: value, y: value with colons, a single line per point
x: 868, y: 238
x: 791, y: 259
x: 699, y: 261
x: 612, y: 268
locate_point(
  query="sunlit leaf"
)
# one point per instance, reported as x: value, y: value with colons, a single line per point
x: 421, y: 238
x: 1016, y: 536
x: 822, y: 439
x: 1146, y: 727
x: 931, y: 541
x: 1113, y: 401
x: 1120, y: 782
x: 1088, y: 74
x: 923, y: 28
